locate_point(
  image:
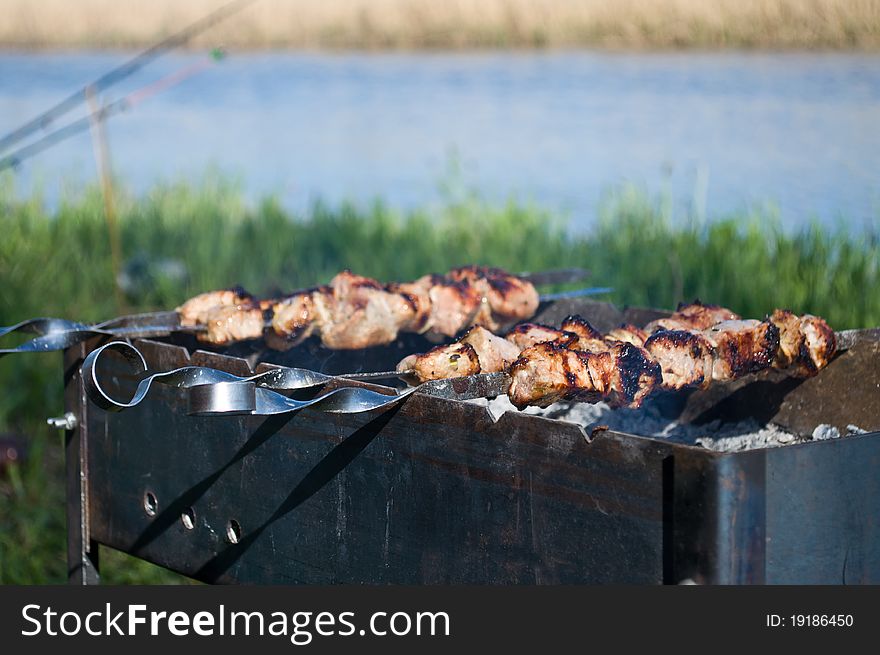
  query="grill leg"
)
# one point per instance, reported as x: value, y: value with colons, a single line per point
x: 82, y: 553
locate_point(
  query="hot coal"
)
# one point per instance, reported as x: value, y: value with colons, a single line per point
x: 649, y: 422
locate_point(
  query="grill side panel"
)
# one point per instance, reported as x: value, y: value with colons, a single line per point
x: 823, y: 512
x: 434, y: 491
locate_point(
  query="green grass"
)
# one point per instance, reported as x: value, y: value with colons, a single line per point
x: 58, y: 264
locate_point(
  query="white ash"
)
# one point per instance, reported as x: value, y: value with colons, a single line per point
x: 825, y: 431
x: 648, y: 422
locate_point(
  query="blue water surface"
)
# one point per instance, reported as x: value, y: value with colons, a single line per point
x: 717, y: 132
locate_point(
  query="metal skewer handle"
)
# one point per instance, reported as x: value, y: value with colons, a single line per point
x: 212, y: 392
x: 58, y: 333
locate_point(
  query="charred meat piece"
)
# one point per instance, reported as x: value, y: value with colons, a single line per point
x: 233, y: 323
x: 358, y: 314
x: 495, y: 354
x: 295, y: 319
x: 352, y: 312
x: 806, y: 343
x: 791, y: 339
x: 446, y: 361
x: 547, y: 373
x: 510, y: 298
x: 485, y: 318
x: 821, y: 344
x: 195, y: 310
x: 454, y: 306
x: 415, y: 309
x: 628, y: 333
x: 703, y: 316
x: 526, y: 335
x: 686, y: 358
x: 353, y: 287
x: 668, y: 324
x: 589, y: 338
x: 742, y: 347
x: 408, y: 311
x: 692, y: 316
x: 623, y: 376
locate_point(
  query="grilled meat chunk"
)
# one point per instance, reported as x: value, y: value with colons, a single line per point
x: 413, y: 310
x: 692, y: 316
x: 441, y: 362
x: 546, y: 373
x: 628, y: 333
x: 806, y: 343
x: 352, y: 312
x: 454, y: 306
x: 821, y: 344
x: 231, y: 323
x: 195, y: 310
x: 791, y: 338
x: 358, y: 314
x: 525, y: 335
x: 726, y: 351
x: 510, y: 298
x: 495, y: 353
x: 686, y: 358
x: 589, y: 338
x: 625, y: 375
x: 703, y: 316
x: 294, y: 319
x: 742, y: 347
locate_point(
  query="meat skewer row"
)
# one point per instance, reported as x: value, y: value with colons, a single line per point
x: 356, y: 312
x: 801, y: 344
x: 626, y: 365
x: 545, y: 365
x: 699, y: 343
x: 195, y: 311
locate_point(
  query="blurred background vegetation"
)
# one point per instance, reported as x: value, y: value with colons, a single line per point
x: 412, y: 24
x: 181, y: 240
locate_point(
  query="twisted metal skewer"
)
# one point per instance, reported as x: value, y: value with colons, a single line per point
x: 58, y: 334
x: 54, y: 334
x: 212, y: 392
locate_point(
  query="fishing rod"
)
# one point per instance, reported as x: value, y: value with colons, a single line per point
x: 125, y: 103
x: 121, y: 72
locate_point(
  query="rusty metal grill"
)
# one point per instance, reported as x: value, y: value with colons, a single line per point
x: 435, y: 490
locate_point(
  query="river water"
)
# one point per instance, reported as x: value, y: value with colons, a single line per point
x: 715, y: 132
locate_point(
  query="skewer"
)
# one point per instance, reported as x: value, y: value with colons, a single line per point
x: 847, y: 339
x: 577, y: 293
x: 212, y: 392
x: 488, y: 385
x: 544, y: 298
x: 58, y: 334
x: 375, y: 375
x: 597, y: 366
